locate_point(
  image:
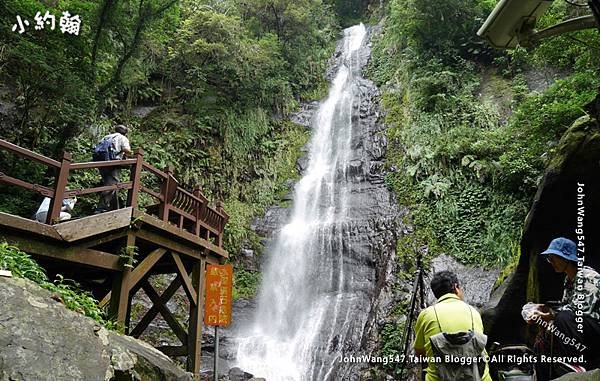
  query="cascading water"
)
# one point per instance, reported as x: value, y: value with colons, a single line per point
x: 312, y: 301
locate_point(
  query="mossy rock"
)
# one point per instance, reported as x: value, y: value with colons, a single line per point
x: 553, y: 213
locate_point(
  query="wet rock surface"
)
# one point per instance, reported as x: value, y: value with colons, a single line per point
x: 304, y: 116
x: 41, y: 340
x: 476, y: 283
x: 372, y: 228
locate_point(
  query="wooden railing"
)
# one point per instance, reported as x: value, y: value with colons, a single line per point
x: 188, y: 211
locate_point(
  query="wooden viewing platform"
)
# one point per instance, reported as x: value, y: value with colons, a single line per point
x: 113, y: 254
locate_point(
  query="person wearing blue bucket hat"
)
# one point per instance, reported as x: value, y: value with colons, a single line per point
x: 578, y: 317
x: 564, y: 248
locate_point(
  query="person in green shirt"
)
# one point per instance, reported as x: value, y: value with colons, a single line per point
x: 449, y: 313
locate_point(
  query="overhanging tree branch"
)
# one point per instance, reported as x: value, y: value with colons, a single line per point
x: 106, y: 8
x: 145, y: 16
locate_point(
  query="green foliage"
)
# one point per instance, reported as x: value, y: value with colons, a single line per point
x: 392, y: 339
x: 61, y: 82
x: 392, y: 335
x: 219, y: 76
x: 474, y: 223
x: 259, y: 181
x: 572, y: 51
x: 245, y: 283
x: 303, y: 27
x: 521, y: 149
x: 351, y: 12
x: 127, y: 256
x: 445, y: 30
x: 214, y: 56
x: 467, y: 175
x: 510, y: 267
x: 22, y: 266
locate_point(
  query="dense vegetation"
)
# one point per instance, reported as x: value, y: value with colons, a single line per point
x: 204, y: 85
x: 67, y: 292
x: 470, y: 129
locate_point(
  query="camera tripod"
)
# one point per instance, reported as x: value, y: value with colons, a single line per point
x: 418, y: 291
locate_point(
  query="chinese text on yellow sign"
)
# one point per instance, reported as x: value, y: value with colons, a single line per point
x: 217, y: 309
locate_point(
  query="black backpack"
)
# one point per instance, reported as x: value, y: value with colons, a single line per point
x: 104, y: 150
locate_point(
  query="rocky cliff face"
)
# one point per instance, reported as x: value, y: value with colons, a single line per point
x: 372, y: 230
x: 41, y: 340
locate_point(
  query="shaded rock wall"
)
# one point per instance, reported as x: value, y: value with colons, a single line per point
x: 41, y: 340
x: 476, y: 282
x: 553, y: 214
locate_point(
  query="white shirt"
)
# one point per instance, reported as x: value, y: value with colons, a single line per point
x: 120, y: 143
x: 67, y: 206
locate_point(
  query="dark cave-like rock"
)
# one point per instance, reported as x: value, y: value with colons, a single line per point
x: 554, y: 214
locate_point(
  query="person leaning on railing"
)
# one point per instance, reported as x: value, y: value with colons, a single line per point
x: 121, y: 148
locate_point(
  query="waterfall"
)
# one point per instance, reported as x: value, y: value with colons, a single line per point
x: 311, y: 302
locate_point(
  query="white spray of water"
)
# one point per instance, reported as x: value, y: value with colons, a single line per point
x: 300, y: 312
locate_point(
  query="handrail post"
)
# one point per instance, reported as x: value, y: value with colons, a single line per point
x: 59, y: 189
x: 198, y: 193
x: 163, y: 213
x: 136, y: 176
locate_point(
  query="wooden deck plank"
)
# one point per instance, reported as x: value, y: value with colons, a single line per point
x: 85, y: 227
x: 75, y: 254
x: 15, y: 222
x: 155, y: 222
x: 160, y: 240
x: 102, y: 239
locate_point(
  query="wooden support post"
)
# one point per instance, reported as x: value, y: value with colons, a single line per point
x: 196, y: 314
x: 119, y: 298
x: 171, y: 320
x: 59, y: 189
x: 136, y: 176
x: 163, y: 212
x: 127, y: 323
x: 185, y: 280
x: 153, y: 311
x: 144, y: 267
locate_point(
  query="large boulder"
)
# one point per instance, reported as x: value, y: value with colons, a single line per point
x: 41, y: 340
x: 554, y: 214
